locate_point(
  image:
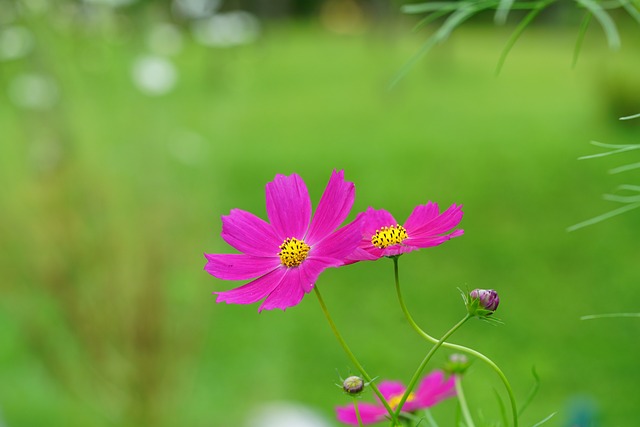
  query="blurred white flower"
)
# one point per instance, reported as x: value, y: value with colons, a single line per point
x: 34, y: 91
x: 195, y: 9
x: 227, y: 29
x: 165, y: 39
x: 286, y: 415
x: 15, y: 42
x: 154, y: 75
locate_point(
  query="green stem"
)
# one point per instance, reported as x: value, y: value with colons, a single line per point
x: 463, y: 402
x: 423, y: 364
x: 355, y: 406
x: 351, y: 356
x: 457, y: 347
x: 429, y: 417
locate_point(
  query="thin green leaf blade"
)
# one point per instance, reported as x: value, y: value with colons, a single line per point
x: 582, y: 31
x: 604, y: 216
x: 503, y: 11
x: 631, y: 10
x: 451, y: 23
x: 606, y: 22
x: 608, y: 315
x: 625, y: 168
x: 538, y: 424
x: 518, y: 32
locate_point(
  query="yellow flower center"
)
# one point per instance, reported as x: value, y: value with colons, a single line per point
x: 293, y: 252
x: 388, y: 236
x: 395, y: 400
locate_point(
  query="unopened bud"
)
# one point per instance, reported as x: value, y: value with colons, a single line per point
x: 487, y: 298
x: 457, y: 364
x: 353, y: 385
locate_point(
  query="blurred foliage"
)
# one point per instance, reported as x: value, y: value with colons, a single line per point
x: 450, y: 15
x: 113, y: 189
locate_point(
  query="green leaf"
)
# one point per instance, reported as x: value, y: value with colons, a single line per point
x: 604, y: 216
x: 544, y: 421
x: 607, y: 24
x: 503, y: 409
x: 602, y: 316
x: 635, y: 116
x: 619, y: 149
x: 503, y: 11
x: 430, y: 18
x: 625, y: 168
x: 532, y: 393
x: 433, y: 6
x: 631, y: 10
x: 466, y: 11
x: 629, y: 187
x: 584, y: 26
x: 621, y: 199
x: 519, y: 30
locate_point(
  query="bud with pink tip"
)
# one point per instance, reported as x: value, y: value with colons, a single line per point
x: 488, y: 298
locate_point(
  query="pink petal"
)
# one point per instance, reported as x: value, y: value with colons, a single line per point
x: 429, y: 241
x: 363, y: 255
x: 422, y: 214
x: 372, y: 220
x: 433, y: 389
x: 311, y: 268
x: 425, y: 223
x: 369, y: 413
x: 239, y: 266
x: 341, y: 243
x: 287, y: 294
x: 375, y: 219
x: 288, y: 206
x: 253, y: 291
x: 398, y: 249
x: 250, y: 234
x: 390, y: 389
x: 333, y: 208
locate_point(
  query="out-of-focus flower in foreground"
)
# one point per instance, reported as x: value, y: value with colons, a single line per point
x: 286, y: 255
x: 433, y: 389
x: 457, y: 364
x: 425, y: 227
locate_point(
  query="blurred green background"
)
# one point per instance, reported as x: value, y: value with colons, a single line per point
x: 126, y: 130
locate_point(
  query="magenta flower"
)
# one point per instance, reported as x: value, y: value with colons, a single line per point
x: 433, y: 389
x: 425, y: 227
x: 286, y: 256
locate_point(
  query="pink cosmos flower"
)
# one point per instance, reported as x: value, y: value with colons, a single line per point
x: 433, y: 389
x: 286, y: 256
x: 425, y: 227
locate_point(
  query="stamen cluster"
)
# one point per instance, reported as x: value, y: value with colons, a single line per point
x: 293, y: 252
x: 388, y: 236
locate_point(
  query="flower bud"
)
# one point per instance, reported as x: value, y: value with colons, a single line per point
x: 457, y: 364
x: 353, y: 385
x: 487, y: 299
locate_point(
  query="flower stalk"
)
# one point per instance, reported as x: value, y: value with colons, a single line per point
x: 426, y: 360
x: 352, y: 357
x: 355, y: 406
x: 457, y: 347
x: 466, y: 414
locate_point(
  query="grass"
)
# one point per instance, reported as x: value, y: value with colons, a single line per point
x: 110, y: 200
